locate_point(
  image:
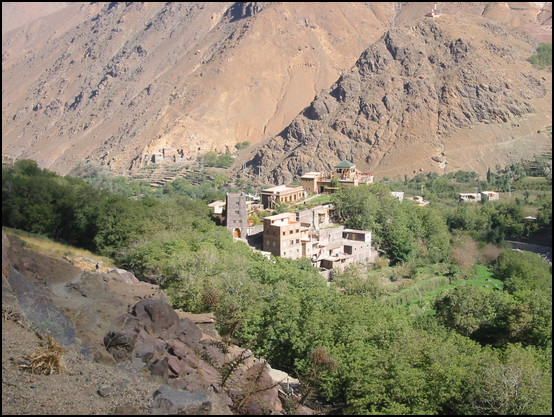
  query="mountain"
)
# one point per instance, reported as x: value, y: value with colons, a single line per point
x: 134, y: 78
x: 441, y: 95
x: 116, y: 82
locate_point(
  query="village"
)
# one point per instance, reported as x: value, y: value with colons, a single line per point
x: 308, y: 232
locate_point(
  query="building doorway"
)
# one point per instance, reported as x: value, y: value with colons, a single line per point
x: 236, y: 232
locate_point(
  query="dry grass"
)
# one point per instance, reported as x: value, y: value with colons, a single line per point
x: 46, y: 246
x: 46, y: 358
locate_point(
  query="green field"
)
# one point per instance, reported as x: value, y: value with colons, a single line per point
x: 419, y: 296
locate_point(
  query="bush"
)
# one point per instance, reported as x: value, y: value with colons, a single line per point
x: 242, y: 145
x: 543, y: 58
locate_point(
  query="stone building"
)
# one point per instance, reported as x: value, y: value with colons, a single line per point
x: 282, y: 194
x: 283, y: 235
x: 311, y: 234
x: 345, y: 171
x: 236, y: 214
x: 157, y: 157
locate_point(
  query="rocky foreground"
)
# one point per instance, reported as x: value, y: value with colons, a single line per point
x: 125, y: 350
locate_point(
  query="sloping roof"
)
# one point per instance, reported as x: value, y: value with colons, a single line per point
x: 345, y: 164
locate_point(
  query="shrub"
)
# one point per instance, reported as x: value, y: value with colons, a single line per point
x: 46, y: 359
x: 543, y: 58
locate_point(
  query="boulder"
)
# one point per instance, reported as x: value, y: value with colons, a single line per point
x: 160, y: 367
x: 124, y: 276
x: 120, y: 344
x: 155, y: 316
x: 168, y: 400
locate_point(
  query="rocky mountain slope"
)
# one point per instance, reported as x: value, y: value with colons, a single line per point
x: 116, y: 82
x: 134, y: 78
x: 125, y: 350
x: 441, y: 95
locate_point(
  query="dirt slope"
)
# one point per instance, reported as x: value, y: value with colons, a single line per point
x: 116, y: 82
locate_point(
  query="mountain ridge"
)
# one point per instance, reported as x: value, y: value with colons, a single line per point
x: 379, y: 114
x: 149, y: 94
x: 114, y: 83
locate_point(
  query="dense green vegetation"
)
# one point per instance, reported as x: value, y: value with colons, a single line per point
x: 470, y: 348
x: 399, y: 230
x: 213, y: 159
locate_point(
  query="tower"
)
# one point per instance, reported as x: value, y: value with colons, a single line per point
x: 236, y: 214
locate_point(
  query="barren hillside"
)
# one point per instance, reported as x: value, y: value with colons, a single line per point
x: 438, y: 96
x: 133, y: 79
x: 16, y: 14
x: 116, y: 82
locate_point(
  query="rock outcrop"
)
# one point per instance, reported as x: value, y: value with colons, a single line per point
x: 440, y: 95
x: 176, y: 350
x: 114, y: 320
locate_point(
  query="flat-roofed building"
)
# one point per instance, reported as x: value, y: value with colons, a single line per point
x: 330, y: 247
x: 283, y: 235
x: 357, y: 244
x: 282, y: 194
x: 217, y: 207
x: 345, y: 171
x: 398, y: 194
x: 491, y: 195
x: 310, y: 181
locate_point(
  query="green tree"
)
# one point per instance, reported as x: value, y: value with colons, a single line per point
x: 476, y: 312
x: 522, y: 271
x: 513, y: 383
